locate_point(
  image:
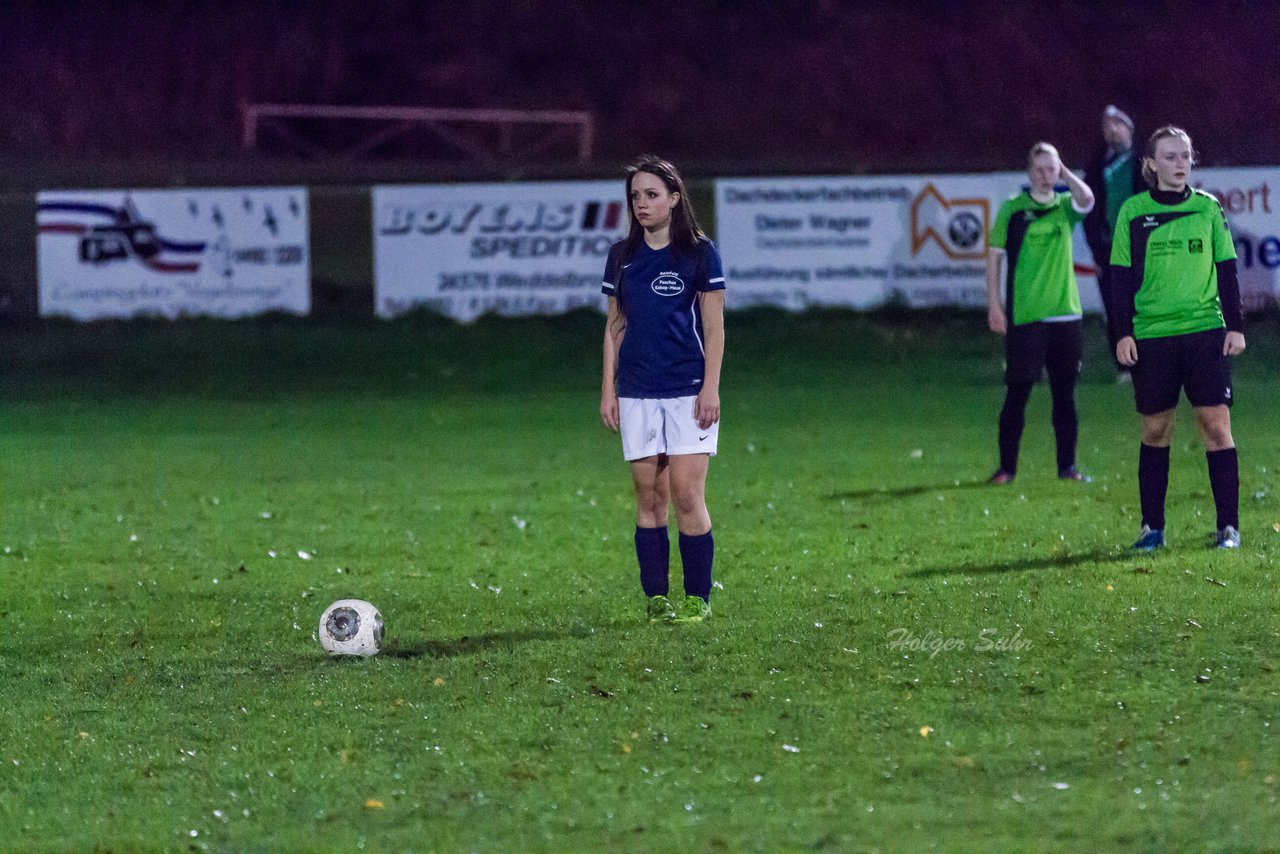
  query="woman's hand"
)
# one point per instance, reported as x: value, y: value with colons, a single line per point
x: 1127, y: 351
x: 706, y: 407
x: 1234, y: 345
x: 996, y: 321
x: 609, y: 409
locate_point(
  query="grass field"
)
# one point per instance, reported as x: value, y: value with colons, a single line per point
x: 901, y: 657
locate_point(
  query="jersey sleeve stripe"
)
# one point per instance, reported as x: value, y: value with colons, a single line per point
x: 717, y: 279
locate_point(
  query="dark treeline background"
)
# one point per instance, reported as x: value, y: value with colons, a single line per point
x: 745, y: 85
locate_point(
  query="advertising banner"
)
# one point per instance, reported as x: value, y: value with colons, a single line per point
x: 858, y: 241
x: 172, y: 253
x: 512, y: 249
x: 920, y: 239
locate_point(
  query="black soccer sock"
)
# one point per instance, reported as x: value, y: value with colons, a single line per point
x: 1153, y: 483
x: 1066, y: 423
x: 1224, y: 480
x: 653, y: 551
x: 1012, y: 420
x: 696, y: 553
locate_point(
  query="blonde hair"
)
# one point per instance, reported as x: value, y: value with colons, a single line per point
x: 1166, y: 132
x: 1041, y: 148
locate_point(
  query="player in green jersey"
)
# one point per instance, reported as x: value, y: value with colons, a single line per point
x: 1040, y: 315
x: 1173, y: 265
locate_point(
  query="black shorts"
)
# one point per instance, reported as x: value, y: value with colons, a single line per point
x: 1194, y: 361
x: 1029, y: 348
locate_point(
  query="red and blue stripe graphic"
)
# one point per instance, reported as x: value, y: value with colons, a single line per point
x: 81, y: 219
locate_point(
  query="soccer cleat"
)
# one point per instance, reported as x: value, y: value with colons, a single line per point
x: 1228, y: 538
x: 1001, y: 477
x: 661, y: 610
x: 1149, y: 540
x: 1074, y: 473
x: 694, y: 609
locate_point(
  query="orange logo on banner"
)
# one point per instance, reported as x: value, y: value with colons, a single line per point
x: 963, y: 222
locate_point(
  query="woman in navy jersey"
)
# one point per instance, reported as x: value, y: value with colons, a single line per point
x: 663, y: 345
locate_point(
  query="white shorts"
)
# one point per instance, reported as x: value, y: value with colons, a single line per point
x: 666, y: 425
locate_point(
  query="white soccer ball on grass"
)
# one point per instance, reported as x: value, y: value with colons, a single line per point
x: 351, y: 627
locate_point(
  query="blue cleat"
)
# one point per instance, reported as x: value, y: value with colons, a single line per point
x: 1149, y: 540
x: 1228, y: 538
x: 1075, y: 474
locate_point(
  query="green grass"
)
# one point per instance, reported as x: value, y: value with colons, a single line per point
x: 163, y: 687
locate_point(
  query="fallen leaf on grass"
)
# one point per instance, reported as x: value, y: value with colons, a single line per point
x: 925, y: 730
x: 373, y: 804
x: 438, y: 681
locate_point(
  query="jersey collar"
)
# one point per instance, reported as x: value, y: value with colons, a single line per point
x: 1168, y: 197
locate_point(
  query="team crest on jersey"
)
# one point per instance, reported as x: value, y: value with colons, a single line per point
x: 1195, y: 246
x: 667, y: 285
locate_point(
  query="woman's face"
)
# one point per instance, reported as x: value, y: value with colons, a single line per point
x: 1172, y: 163
x: 651, y: 202
x: 1043, y: 172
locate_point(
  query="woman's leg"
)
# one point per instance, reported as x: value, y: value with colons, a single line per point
x: 653, y: 545
x: 1013, y: 418
x: 697, y: 547
x: 1153, y: 466
x: 1214, y: 424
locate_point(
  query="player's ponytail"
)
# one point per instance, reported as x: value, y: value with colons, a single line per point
x: 1149, y: 153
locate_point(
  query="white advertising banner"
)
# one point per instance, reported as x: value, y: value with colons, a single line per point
x: 858, y: 241
x: 173, y: 253
x: 512, y: 249
x: 1250, y: 196
x: 862, y: 241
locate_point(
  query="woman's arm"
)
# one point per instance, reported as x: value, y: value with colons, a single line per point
x: 996, y: 321
x: 615, y: 327
x: 706, y: 408
x: 1081, y: 195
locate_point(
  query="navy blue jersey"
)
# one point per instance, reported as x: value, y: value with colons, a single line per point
x: 662, y: 354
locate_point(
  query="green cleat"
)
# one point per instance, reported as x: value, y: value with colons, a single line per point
x: 694, y: 609
x: 661, y: 610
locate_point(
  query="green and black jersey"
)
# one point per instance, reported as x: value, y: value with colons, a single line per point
x: 1174, y: 245
x: 1041, y: 281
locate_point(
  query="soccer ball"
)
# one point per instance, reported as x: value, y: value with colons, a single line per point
x: 351, y: 627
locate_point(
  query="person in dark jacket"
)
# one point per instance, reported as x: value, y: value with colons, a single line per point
x: 1114, y: 174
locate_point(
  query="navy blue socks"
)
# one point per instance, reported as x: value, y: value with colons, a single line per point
x: 696, y: 553
x: 653, y: 550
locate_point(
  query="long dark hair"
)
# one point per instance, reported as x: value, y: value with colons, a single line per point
x: 1166, y: 132
x: 685, y: 231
